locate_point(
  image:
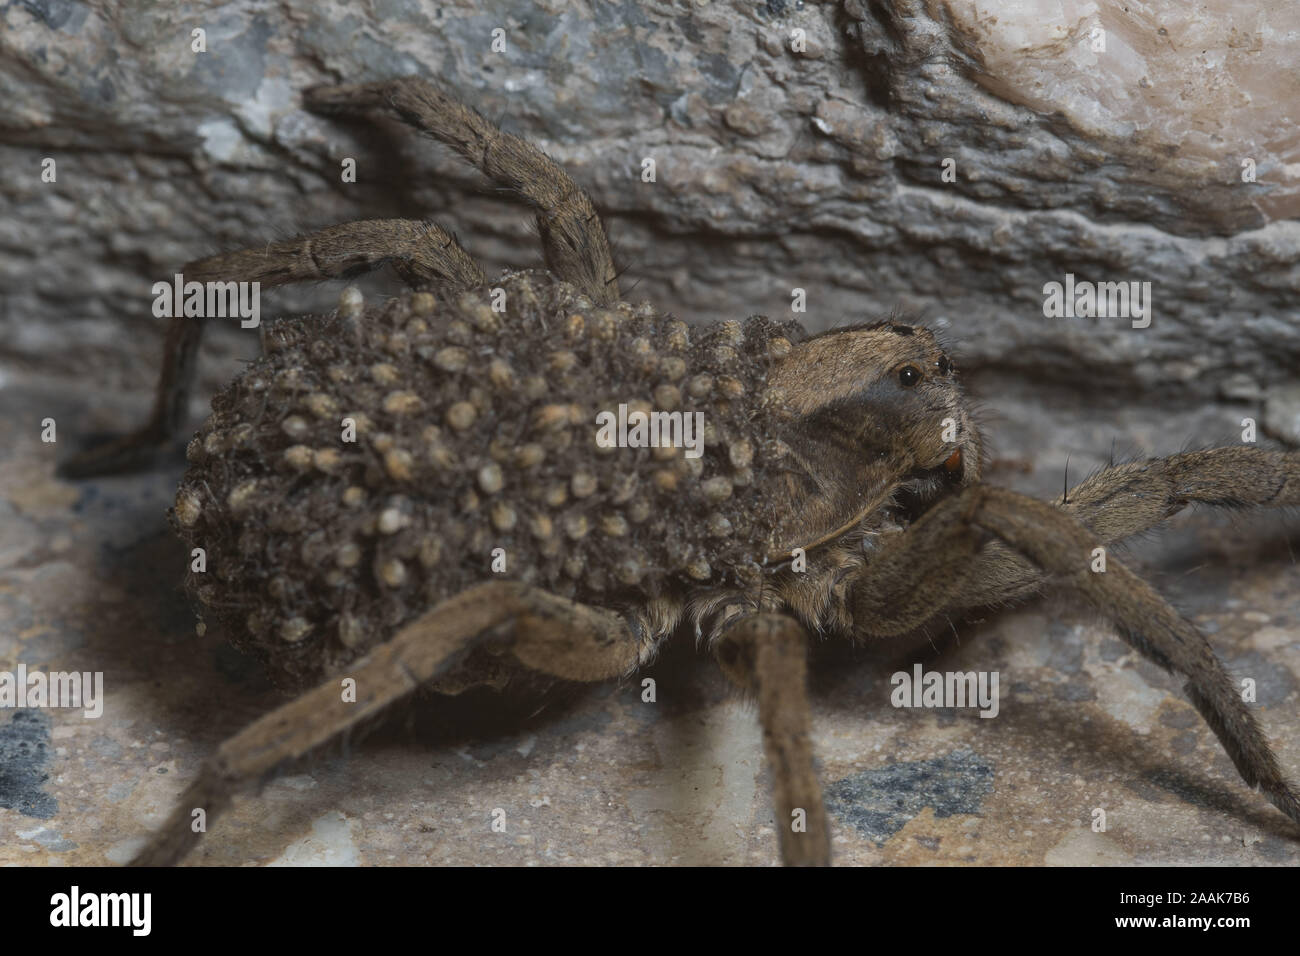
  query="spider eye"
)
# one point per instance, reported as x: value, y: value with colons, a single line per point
x: 909, y: 375
x: 944, y: 365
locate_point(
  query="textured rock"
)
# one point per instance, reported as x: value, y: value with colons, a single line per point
x: 775, y: 169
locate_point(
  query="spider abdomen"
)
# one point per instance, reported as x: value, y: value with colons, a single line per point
x: 372, y: 465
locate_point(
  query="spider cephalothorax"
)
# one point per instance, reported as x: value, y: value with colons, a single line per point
x: 427, y: 493
x: 880, y: 431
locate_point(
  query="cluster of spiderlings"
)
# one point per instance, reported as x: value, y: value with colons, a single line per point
x: 475, y: 430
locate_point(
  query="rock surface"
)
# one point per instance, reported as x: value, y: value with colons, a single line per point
x: 795, y: 146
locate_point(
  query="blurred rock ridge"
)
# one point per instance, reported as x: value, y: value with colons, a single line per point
x: 948, y: 158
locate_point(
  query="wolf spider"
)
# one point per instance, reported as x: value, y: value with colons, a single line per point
x: 839, y: 494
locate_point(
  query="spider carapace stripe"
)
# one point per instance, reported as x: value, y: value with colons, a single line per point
x: 467, y: 484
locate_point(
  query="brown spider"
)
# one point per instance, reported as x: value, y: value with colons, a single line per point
x: 417, y: 496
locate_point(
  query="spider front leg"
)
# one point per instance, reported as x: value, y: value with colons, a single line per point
x: 549, y: 634
x: 1061, y: 546
x: 422, y: 253
x: 1124, y: 500
x: 767, y: 654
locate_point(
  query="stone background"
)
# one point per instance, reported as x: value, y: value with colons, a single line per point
x: 775, y: 170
